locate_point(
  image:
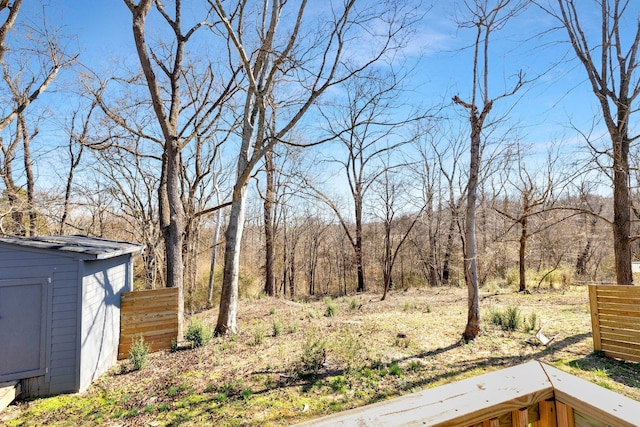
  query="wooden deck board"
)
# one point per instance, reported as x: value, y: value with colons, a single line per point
x: 467, y: 402
x: 564, y: 400
x: 8, y: 392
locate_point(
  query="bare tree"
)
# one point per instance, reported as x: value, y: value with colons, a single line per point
x: 535, y: 192
x: 365, y: 131
x: 131, y: 184
x: 22, y: 84
x: 186, y: 98
x: 613, y: 72
x: 287, y: 66
x: 394, y: 203
x: 216, y: 239
x: 485, y: 18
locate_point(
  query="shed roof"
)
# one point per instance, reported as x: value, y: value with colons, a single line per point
x: 86, y: 247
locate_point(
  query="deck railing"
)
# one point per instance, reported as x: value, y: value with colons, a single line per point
x: 532, y: 394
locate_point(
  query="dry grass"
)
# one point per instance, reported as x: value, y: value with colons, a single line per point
x: 366, y: 351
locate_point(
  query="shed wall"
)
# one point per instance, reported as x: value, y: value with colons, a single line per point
x: 62, y: 318
x: 103, y: 282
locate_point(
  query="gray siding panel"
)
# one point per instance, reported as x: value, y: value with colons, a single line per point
x: 61, y: 339
x: 63, y: 366
x: 64, y: 325
x: 61, y: 291
x: 65, y: 307
x: 64, y: 346
x: 103, y: 283
x: 64, y: 299
x: 83, y: 318
x: 61, y: 315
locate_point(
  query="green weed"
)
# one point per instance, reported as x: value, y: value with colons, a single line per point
x: 330, y: 307
x: 198, y: 334
x: 138, y: 353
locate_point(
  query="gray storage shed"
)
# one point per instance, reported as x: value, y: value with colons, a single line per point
x: 60, y: 309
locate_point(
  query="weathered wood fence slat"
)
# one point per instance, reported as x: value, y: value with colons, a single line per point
x: 615, y: 320
x: 532, y: 394
x: 150, y: 314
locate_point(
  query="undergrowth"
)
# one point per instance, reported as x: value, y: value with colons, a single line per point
x: 291, y: 363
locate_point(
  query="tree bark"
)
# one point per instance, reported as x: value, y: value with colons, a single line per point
x: 448, y: 251
x: 358, y: 244
x: 269, y: 284
x: 227, y: 315
x: 173, y: 231
x: 621, y: 207
x: 521, y: 254
x: 214, y: 252
x: 472, y: 329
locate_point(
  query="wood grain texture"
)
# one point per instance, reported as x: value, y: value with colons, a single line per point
x: 8, y: 392
x: 615, y: 320
x: 595, y: 321
x: 565, y: 415
x: 503, y: 398
x: 464, y: 403
x: 598, y: 403
x: 150, y: 314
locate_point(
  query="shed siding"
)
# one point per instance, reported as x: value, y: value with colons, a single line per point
x: 82, y: 315
x: 62, y: 336
x: 103, y: 282
x: 64, y: 321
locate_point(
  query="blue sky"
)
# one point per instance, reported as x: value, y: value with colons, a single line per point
x: 543, y: 110
x: 103, y: 33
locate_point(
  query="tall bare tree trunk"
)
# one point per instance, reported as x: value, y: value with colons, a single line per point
x: 270, y: 281
x: 214, y: 253
x: 358, y: 244
x: 227, y: 314
x: 173, y: 230
x: 521, y: 254
x: 470, y: 266
x: 621, y: 203
x: 28, y: 168
x: 485, y: 21
x: 614, y: 80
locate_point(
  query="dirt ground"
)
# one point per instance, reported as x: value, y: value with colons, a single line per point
x: 293, y: 361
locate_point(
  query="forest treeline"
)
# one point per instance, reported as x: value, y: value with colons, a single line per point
x: 269, y: 146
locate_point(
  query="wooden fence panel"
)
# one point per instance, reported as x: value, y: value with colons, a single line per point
x: 151, y: 314
x: 615, y: 320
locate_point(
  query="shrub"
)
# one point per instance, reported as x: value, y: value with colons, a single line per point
x: 395, y: 369
x: 138, y: 353
x: 198, y: 334
x: 331, y: 308
x: 349, y: 350
x: 495, y: 317
x: 258, y: 335
x: 277, y: 327
x: 532, y: 322
x: 509, y: 319
x: 512, y: 319
x: 314, y: 354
